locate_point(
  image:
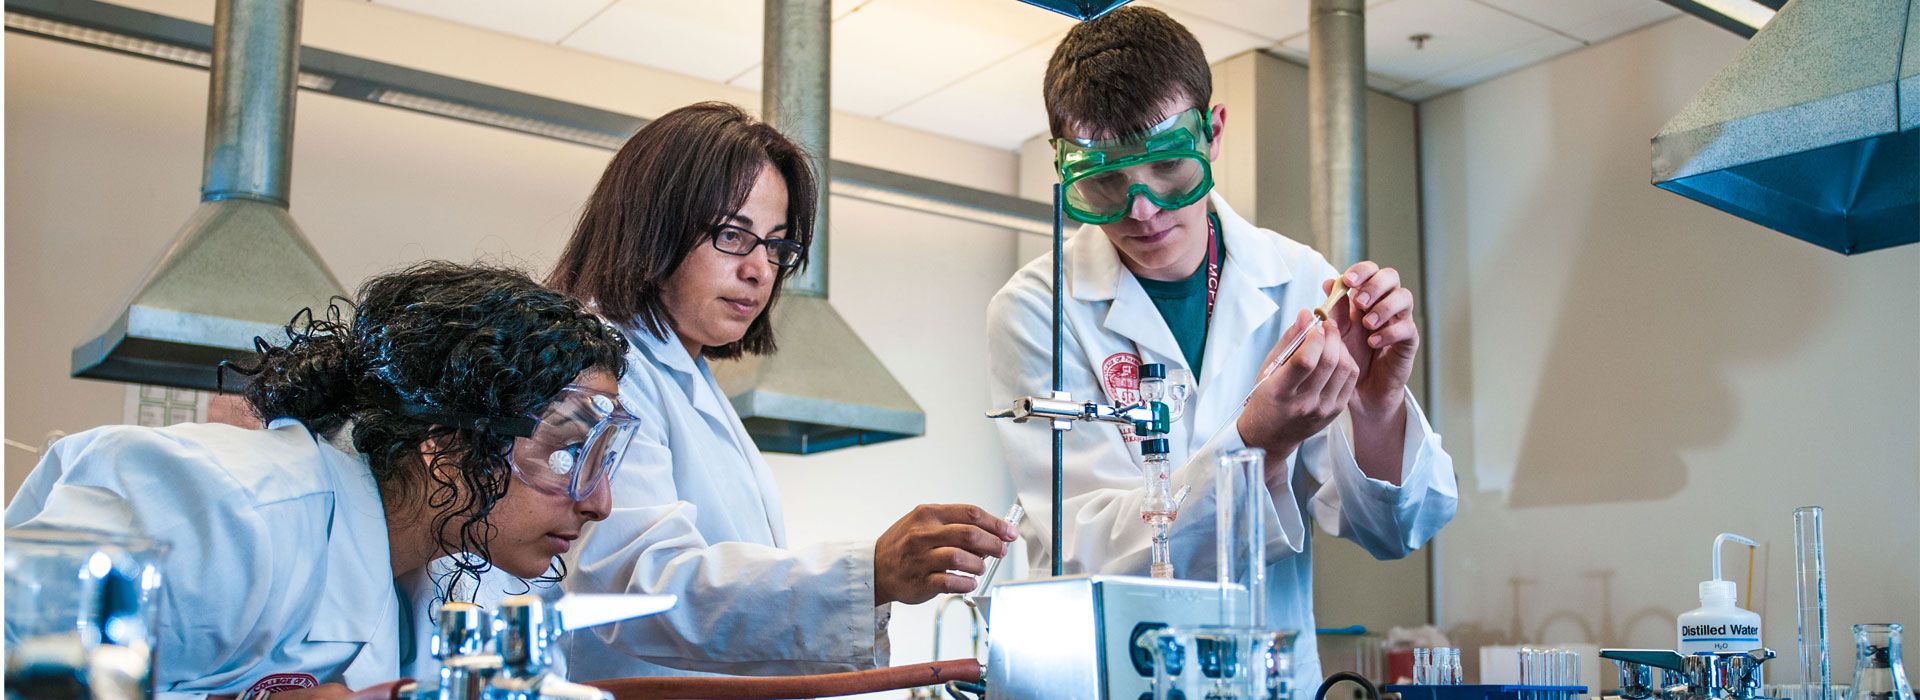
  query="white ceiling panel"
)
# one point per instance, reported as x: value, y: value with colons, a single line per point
x: 972, y: 68
x: 1217, y: 38
x: 999, y: 106
x: 1589, y: 20
x: 1511, y: 59
x: 1625, y: 20
x: 708, y: 40
x: 1274, y: 20
x: 546, y: 22
x: 1463, y: 33
x: 892, y: 52
x: 749, y: 79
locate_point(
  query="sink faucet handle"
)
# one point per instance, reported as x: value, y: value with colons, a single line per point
x: 460, y: 629
x: 1657, y: 658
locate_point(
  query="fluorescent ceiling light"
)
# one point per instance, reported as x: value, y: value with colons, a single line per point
x: 1746, y: 12
x: 1743, y: 17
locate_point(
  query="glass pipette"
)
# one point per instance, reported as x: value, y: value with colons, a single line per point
x: 1014, y: 516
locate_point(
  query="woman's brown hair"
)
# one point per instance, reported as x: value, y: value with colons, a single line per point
x: 663, y: 194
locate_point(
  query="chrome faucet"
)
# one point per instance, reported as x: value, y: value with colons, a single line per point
x: 460, y: 643
x: 1733, y: 675
x: 507, y: 655
x: 525, y: 630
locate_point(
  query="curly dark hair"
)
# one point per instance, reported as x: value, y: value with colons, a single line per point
x: 460, y: 339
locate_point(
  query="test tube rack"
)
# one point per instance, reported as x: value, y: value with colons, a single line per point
x: 1487, y: 692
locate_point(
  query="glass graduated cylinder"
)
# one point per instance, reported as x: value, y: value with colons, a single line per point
x: 1810, y: 592
x: 1240, y: 553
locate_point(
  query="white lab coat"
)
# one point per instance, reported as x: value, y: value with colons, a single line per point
x: 696, y: 513
x: 1109, y: 320
x: 278, y: 561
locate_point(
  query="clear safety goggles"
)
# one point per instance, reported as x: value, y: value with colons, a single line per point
x: 1166, y: 164
x: 576, y: 445
x: 572, y: 447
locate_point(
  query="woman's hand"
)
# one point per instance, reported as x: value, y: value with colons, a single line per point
x: 912, y: 559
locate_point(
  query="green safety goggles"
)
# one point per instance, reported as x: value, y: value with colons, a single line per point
x: 1167, y: 164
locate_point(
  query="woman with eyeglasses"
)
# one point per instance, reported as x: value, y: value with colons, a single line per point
x: 685, y: 243
x: 464, y: 414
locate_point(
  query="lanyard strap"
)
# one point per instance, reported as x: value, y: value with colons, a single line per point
x: 1213, y: 263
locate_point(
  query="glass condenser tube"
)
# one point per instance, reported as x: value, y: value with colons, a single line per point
x: 1810, y: 591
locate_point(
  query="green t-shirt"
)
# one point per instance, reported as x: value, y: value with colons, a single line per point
x: 1183, y: 303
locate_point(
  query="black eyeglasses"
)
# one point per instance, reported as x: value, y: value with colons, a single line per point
x: 782, y: 252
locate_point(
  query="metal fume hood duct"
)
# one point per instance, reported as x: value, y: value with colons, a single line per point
x: 1813, y: 130
x: 1083, y: 10
x: 239, y: 268
x: 824, y: 389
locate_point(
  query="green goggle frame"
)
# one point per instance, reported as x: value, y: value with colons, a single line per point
x: 1184, y: 135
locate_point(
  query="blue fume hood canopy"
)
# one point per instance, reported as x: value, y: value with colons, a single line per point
x: 1813, y: 130
x: 1082, y: 10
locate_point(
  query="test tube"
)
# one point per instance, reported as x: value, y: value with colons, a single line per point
x: 1014, y: 516
x: 1810, y: 592
x: 1422, y: 662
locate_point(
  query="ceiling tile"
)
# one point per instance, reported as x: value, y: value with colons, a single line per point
x: 1628, y: 19
x: 999, y: 106
x: 1274, y: 20
x: 546, y: 21
x: 708, y: 40
x: 1463, y: 33
x: 1219, y: 40
x: 892, y: 52
x: 1376, y: 81
x: 1508, y: 60
x: 1590, y: 20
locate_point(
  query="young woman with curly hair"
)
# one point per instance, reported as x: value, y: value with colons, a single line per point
x: 464, y: 414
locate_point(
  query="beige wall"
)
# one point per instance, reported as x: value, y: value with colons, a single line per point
x: 102, y: 163
x: 1622, y: 373
x: 1262, y: 171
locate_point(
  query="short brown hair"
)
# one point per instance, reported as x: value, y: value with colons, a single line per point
x: 1112, y: 74
x: 663, y: 194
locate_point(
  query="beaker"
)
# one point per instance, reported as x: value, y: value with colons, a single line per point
x: 81, y: 610
x: 1877, y: 674
x: 1214, y: 662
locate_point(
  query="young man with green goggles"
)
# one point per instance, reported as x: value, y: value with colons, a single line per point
x: 1165, y: 272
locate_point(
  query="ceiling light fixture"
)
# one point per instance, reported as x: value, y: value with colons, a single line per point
x: 1743, y: 17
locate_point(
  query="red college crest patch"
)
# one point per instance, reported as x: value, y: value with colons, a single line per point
x: 281, y: 682
x: 1120, y: 377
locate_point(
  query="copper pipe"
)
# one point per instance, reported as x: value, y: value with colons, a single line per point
x: 770, y: 687
x: 390, y: 690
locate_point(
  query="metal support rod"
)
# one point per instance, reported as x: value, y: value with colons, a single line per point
x: 1059, y: 436
x: 1336, y: 128
x: 795, y: 98
x: 249, y: 151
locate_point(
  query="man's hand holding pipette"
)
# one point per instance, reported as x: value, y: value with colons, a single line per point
x: 1302, y: 395
x: 1374, y: 316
